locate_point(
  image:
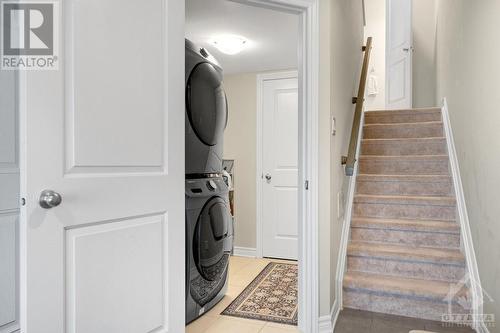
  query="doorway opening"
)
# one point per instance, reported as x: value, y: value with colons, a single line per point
x: 266, y: 52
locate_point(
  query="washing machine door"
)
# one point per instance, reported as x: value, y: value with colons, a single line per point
x: 211, y: 231
x: 206, y: 103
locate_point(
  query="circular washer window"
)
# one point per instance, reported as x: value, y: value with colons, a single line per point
x: 206, y: 103
x: 209, y: 236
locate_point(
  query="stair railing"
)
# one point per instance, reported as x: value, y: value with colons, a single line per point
x: 350, y: 160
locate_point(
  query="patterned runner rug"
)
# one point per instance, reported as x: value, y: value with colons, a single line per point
x: 272, y: 296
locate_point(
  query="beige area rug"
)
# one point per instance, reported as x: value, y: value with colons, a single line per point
x: 271, y: 296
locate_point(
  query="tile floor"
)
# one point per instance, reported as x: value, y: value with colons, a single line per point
x: 241, y: 272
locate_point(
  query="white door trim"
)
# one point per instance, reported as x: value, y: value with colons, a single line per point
x: 259, y: 151
x: 308, y: 70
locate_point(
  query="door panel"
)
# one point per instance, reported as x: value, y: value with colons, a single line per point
x: 9, y: 203
x: 131, y: 259
x: 127, y: 97
x: 399, y: 54
x: 280, y: 161
x: 106, y: 132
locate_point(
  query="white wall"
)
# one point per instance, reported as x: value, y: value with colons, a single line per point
x: 376, y: 28
x: 467, y: 74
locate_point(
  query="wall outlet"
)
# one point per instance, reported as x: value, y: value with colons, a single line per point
x: 333, y: 126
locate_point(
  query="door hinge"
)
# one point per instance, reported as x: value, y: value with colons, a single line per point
x: 306, y: 184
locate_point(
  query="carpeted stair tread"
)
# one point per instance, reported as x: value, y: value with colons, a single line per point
x: 407, y: 225
x: 404, y: 158
x: 404, y: 178
x: 403, y: 130
x: 376, y: 283
x: 405, y: 200
x: 397, y: 125
x: 385, y: 250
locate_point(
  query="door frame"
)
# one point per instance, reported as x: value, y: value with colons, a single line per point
x: 387, y: 51
x: 308, y: 83
x: 261, y: 78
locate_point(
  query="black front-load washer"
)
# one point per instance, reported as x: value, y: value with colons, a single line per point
x: 209, y: 239
x: 206, y: 111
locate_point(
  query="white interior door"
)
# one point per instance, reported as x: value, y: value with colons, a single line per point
x: 9, y: 204
x: 399, y: 54
x: 106, y: 132
x: 280, y: 168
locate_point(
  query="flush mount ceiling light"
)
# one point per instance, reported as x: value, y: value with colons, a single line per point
x: 229, y: 44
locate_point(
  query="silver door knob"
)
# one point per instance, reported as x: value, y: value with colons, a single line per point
x: 49, y: 199
x: 268, y: 177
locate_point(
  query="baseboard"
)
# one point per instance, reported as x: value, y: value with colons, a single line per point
x: 241, y: 251
x: 327, y: 323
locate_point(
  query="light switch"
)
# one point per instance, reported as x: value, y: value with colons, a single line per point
x: 333, y: 126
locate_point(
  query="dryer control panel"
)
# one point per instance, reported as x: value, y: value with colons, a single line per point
x: 206, y: 187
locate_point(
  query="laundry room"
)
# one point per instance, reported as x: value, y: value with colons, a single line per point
x: 242, y: 167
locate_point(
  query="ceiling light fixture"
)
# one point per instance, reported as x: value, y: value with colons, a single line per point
x: 230, y: 44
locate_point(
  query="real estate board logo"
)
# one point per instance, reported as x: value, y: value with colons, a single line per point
x: 29, y: 35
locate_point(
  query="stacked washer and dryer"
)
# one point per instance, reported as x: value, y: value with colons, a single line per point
x: 209, y: 228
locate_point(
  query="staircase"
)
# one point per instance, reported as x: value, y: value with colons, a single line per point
x: 404, y: 249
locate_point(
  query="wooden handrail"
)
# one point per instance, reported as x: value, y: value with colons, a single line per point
x: 350, y: 159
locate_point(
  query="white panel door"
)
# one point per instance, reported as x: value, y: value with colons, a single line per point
x: 280, y: 168
x: 399, y: 54
x: 9, y: 203
x: 106, y: 132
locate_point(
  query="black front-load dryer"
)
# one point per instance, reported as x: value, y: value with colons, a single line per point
x: 206, y: 111
x: 209, y: 239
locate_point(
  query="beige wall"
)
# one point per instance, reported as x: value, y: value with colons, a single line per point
x: 346, y: 56
x: 325, y: 259
x: 376, y: 27
x: 424, y: 55
x: 467, y: 75
x: 240, y: 144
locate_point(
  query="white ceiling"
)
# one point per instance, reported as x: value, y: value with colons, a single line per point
x: 272, y: 35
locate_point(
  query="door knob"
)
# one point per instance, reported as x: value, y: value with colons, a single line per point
x: 49, y: 199
x: 268, y: 177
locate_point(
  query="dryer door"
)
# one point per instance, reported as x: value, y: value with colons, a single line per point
x: 206, y: 103
x: 211, y: 231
